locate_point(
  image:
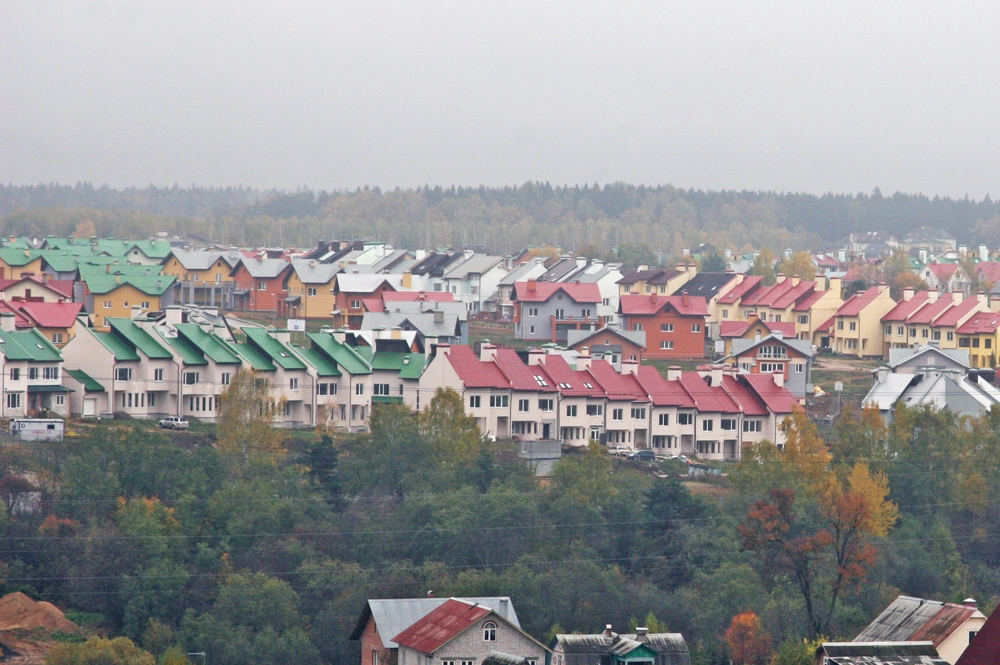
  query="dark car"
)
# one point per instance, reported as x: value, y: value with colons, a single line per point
x: 643, y: 455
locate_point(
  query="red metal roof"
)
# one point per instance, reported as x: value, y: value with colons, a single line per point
x: 983, y: 322
x: 737, y: 292
x: 827, y: 325
x: 943, y: 624
x: 956, y: 313
x: 52, y: 314
x: 562, y: 375
x: 932, y: 310
x: 989, y: 271
x: 858, y: 302
x: 613, y: 385
x: 739, y: 328
x: 905, y: 308
x: 582, y: 293
x: 707, y: 398
x: 685, y: 305
x: 519, y: 375
x: 778, y: 400
x: 20, y: 320
x: 474, y: 374
x: 744, y: 396
x: 943, y: 271
x: 661, y: 391
x: 441, y: 625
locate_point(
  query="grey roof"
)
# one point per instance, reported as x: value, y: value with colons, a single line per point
x: 416, y: 307
x: 907, y: 615
x: 588, y: 649
x: 476, y: 264
x: 741, y: 345
x: 314, y: 272
x: 885, y: 394
x: 708, y: 284
x: 361, y: 282
x: 264, y: 268
x: 881, y: 647
x: 393, y: 616
x: 390, y: 260
x: 515, y: 275
x: 574, y: 337
x: 561, y: 270
x: 422, y: 322
x: 900, y: 356
x: 501, y: 658
x: 951, y: 391
x: 201, y: 260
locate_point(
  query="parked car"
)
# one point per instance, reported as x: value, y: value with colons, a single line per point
x: 175, y: 422
x: 644, y: 455
x: 619, y: 451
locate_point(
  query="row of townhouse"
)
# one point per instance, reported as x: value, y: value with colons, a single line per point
x: 713, y: 415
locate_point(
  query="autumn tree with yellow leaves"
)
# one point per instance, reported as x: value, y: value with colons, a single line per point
x: 246, y: 416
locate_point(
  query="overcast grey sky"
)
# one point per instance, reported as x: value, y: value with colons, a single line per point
x: 808, y: 96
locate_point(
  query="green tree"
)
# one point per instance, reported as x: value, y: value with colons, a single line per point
x: 246, y: 416
x: 713, y: 262
x: 452, y: 435
x: 100, y: 651
x: 801, y: 264
x: 763, y: 265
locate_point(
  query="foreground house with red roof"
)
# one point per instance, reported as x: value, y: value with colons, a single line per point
x: 801, y: 305
x: 460, y: 630
x: 545, y: 311
x: 951, y: 627
x: 946, y: 277
x: 924, y: 317
x: 675, y: 326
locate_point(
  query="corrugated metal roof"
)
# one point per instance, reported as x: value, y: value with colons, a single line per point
x: 393, y: 616
x: 881, y: 648
x: 906, y: 618
x: 441, y: 625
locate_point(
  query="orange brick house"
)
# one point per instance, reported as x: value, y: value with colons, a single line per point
x: 260, y: 284
x: 675, y: 326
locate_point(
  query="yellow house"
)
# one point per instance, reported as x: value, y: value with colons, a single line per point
x: 116, y: 295
x: 310, y: 289
x: 203, y: 278
x: 17, y: 262
x: 857, y: 324
x: 980, y: 335
x: 926, y: 316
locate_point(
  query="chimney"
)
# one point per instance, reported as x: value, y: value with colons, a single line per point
x: 8, y: 321
x: 781, y: 277
x: 174, y: 315
x: 837, y: 286
x: 970, y: 602
x: 339, y: 335
x: 536, y: 356
x: 908, y: 293
x: 283, y: 336
x: 640, y: 633
x: 487, y: 352
x: 962, y: 251
x: 630, y: 367
x: 607, y: 630
x: 779, y: 378
x: 673, y: 373
x: 692, y: 269
x: 956, y: 297
x: 686, y: 299
x: 983, y: 300
x: 932, y: 295
x: 260, y: 257
x: 841, y: 256
x: 438, y: 316
x: 583, y: 360
x: 407, y: 279
x: 532, y: 284
x: 778, y: 334
x: 136, y: 312
x: 795, y: 280
x: 430, y: 594
x: 715, y: 376
x: 883, y: 287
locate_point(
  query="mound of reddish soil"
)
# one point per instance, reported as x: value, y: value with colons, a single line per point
x: 19, y: 611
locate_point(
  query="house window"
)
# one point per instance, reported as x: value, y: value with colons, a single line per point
x: 685, y: 418
x: 766, y: 368
x: 144, y: 304
x: 900, y: 330
x: 531, y: 330
x: 854, y: 325
x: 60, y: 400
x: 728, y: 424
x: 293, y: 384
x: 585, y: 313
x: 541, y: 380
x: 664, y: 419
x: 913, y: 332
x: 923, y: 333
x: 840, y: 325
x: 523, y: 405
x: 355, y: 304
x: 375, y: 657
x: 123, y: 374
x: 666, y: 344
x: 545, y: 404
x: 696, y: 327
x: 666, y: 327
x: 475, y: 401
x: 888, y: 330
x: 936, y: 335
x: 799, y: 368
x: 638, y: 413
x: 972, y: 634
x: 617, y: 414
x: 227, y: 378
x: 499, y: 401
x: 32, y: 374
x: 725, y: 313
x: 803, y: 319
x: 107, y: 304
x: 359, y: 389
x: 595, y: 409
x: 951, y: 336
x: 975, y: 342
x: 382, y: 389
x: 13, y: 400
x: 560, y: 314
x: 57, y: 338
x: 752, y: 426
x: 262, y: 286
x: 988, y: 342
x: 437, y: 287
x: 311, y: 291
x: 15, y: 373
x: 489, y: 632
x: 532, y: 311
x: 51, y: 373
x: 606, y: 302
x: 571, y: 410
x: 191, y: 378
x: 636, y: 326
x: 707, y: 424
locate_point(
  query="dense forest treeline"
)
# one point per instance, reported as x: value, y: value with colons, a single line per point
x: 262, y: 548
x: 501, y: 219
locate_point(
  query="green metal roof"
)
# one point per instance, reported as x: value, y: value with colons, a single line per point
x: 387, y: 399
x: 154, y: 249
x: 187, y: 351
x: 118, y: 347
x: 138, y: 338
x: 47, y: 389
x: 153, y: 285
x: 409, y: 365
x: 258, y: 360
x: 343, y: 355
x: 274, y: 349
x: 19, y: 243
x: 90, y: 384
x: 207, y: 343
x: 324, y: 366
x: 18, y: 257
x: 28, y: 345
x: 130, y: 269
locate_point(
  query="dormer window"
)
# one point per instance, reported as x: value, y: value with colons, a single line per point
x: 541, y: 380
x: 489, y: 632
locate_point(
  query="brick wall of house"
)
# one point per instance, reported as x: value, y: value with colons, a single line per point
x: 686, y: 342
